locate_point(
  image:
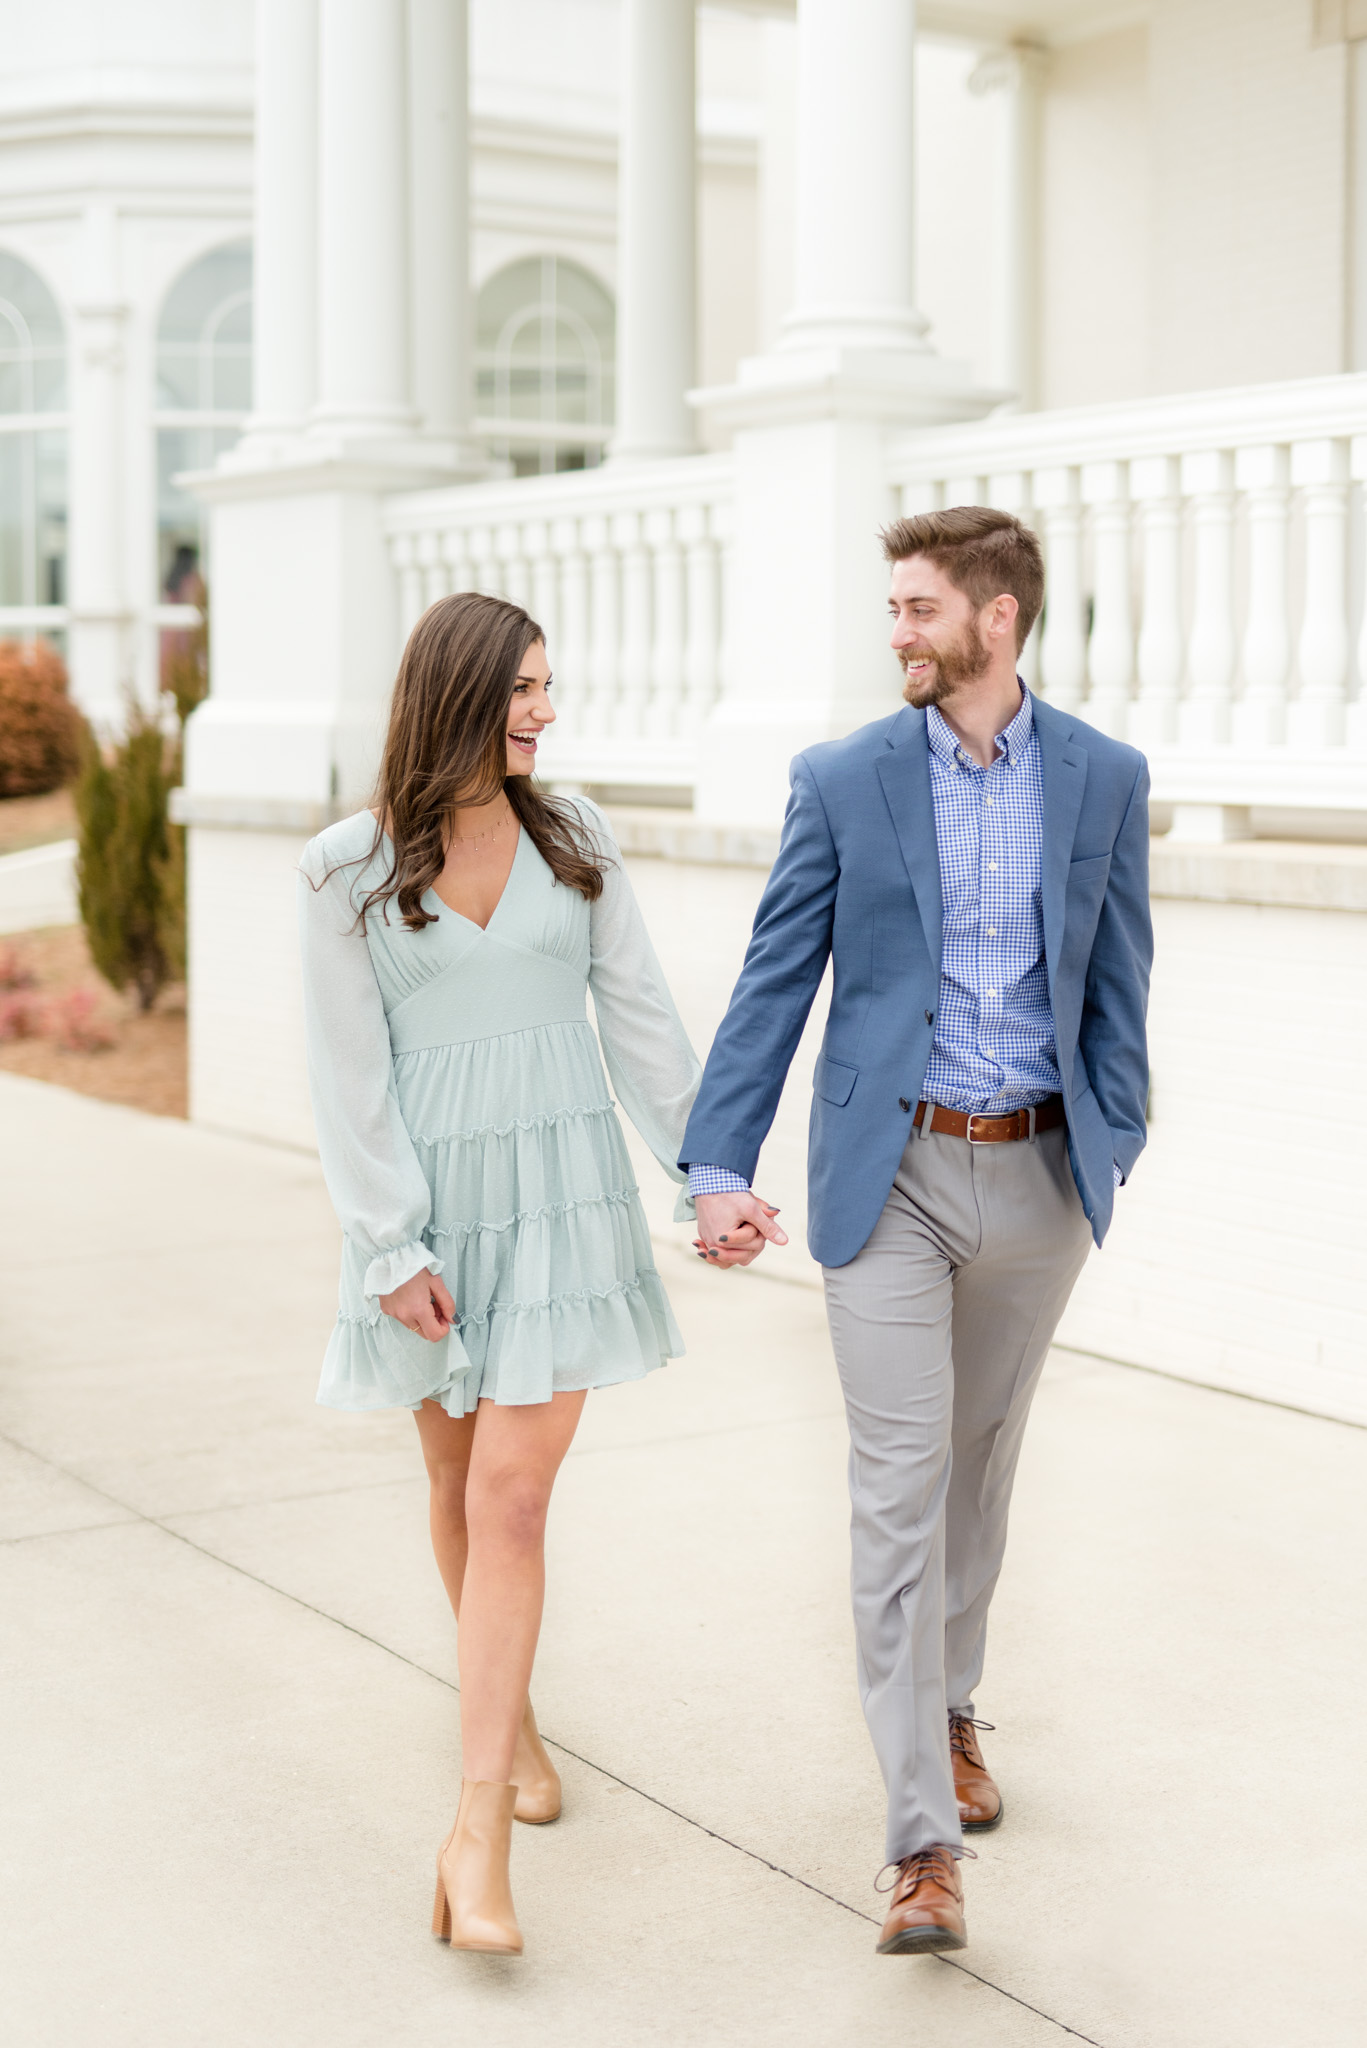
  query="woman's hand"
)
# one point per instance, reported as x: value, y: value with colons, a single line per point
x: 423, y: 1306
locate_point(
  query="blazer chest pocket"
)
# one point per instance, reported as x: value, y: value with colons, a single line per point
x: 833, y: 1081
x: 1085, y: 874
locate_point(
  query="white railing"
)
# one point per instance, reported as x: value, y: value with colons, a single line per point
x: 1207, y: 569
x: 626, y: 569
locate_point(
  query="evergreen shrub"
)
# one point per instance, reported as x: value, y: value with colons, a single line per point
x: 40, y: 727
x: 130, y: 870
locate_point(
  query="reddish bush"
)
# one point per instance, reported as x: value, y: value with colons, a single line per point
x: 40, y: 727
x: 21, y: 1016
x: 15, y: 971
x: 75, y: 1025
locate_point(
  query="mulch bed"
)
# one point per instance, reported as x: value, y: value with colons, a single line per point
x: 36, y: 820
x: 145, y: 1067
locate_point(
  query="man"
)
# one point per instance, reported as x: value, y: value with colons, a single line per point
x: 976, y: 867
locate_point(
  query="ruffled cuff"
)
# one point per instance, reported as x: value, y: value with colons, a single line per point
x: 388, y: 1270
x: 684, y: 1209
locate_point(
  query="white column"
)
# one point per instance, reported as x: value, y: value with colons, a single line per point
x: 285, y: 310
x: 1155, y: 482
x: 1018, y: 74
x: 363, y: 344
x: 1204, y: 720
x: 100, y: 642
x: 855, y: 250
x: 1317, y: 716
x: 656, y: 235
x: 1260, y: 714
x: 439, y: 213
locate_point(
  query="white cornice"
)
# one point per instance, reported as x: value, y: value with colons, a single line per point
x: 96, y: 121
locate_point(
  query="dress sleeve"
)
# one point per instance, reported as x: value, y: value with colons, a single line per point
x: 377, y: 1186
x: 650, y: 1062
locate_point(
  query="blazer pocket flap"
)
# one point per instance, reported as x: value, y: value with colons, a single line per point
x: 1084, y: 870
x: 833, y: 1081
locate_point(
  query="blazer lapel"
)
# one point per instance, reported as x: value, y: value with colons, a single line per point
x: 904, y: 771
x: 1064, y: 775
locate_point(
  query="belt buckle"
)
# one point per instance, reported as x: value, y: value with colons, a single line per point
x: 972, y: 1119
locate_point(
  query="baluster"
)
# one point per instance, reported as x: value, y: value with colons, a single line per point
x: 432, y: 566
x: 721, y: 524
x: 965, y: 490
x: 664, y: 714
x: 515, y: 578
x: 1063, y: 644
x: 1110, y: 654
x: 544, y: 581
x: 1317, y: 715
x: 455, y: 551
x: 404, y: 553
x: 604, y: 665
x: 1260, y: 714
x: 1155, y: 485
x: 1356, y: 719
x: 484, y: 562
x: 571, y: 661
x: 1204, y: 719
x: 924, y: 495
x: 633, y: 690
x: 700, y: 649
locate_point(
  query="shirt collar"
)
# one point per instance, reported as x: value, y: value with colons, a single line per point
x: 1012, y: 740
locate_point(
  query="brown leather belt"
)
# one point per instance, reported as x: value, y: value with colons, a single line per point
x: 994, y: 1130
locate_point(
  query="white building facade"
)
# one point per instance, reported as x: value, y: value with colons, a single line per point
x: 648, y: 314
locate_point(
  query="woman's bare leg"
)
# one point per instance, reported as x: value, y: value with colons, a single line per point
x: 447, y: 1441
x: 491, y: 1554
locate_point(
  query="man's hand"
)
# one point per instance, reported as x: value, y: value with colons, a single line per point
x: 732, y: 1228
x: 423, y: 1306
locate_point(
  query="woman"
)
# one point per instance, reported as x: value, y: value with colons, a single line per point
x: 496, y: 1262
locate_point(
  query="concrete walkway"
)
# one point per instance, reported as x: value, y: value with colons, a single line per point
x: 229, y: 1718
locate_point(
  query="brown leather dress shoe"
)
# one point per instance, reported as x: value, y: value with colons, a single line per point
x: 926, y: 1911
x: 980, y: 1803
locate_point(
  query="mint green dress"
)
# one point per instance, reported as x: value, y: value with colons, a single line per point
x: 465, y: 1124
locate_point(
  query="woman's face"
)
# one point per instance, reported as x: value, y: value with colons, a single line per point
x: 530, y: 710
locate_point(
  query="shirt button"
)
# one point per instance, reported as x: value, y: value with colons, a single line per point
x: 991, y: 931
x: 992, y: 867
x: 991, y: 995
x: 987, y: 799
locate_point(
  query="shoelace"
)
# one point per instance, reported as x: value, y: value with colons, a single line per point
x: 959, y: 1738
x: 918, y: 1867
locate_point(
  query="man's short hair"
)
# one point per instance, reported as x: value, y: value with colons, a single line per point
x: 983, y: 552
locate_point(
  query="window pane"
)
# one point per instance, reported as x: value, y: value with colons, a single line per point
x: 204, y: 336
x: 32, y: 341
x: 545, y: 352
x: 181, y: 520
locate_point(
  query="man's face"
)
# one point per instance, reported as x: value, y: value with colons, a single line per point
x: 935, y: 634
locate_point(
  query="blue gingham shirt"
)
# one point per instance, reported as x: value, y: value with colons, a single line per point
x: 994, y: 1045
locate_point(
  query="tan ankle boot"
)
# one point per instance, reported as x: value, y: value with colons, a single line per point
x: 474, y: 1907
x: 535, y: 1776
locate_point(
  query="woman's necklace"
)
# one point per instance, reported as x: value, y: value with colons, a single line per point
x: 476, y: 838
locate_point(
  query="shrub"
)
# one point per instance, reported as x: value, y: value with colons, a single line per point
x: 130, y: 869
x: 76, y: 1025
x: 40, y: 727
x: 21, y: 1016
x: 15, y: 971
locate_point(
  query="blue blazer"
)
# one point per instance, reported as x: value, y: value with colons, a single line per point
x: 858, y: 878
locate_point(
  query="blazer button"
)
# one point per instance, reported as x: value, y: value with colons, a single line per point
x: 902, y: 1102
x: 930, y: 1016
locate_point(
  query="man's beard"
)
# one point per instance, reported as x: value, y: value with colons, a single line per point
x: 962, y: 661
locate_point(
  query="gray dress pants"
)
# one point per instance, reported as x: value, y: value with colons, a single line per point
x: 940, y: 1326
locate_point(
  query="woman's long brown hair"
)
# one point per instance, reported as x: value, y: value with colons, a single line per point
x: 447, y: 745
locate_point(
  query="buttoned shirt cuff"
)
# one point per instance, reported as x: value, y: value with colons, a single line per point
x: 1119, y: 1176
x: 715, y: 1180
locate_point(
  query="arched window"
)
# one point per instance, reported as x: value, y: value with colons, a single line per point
x: 32, y: 450
x: 545, y: 344
x: 204, y: 393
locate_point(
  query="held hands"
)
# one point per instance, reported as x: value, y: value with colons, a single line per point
x: 423, y: 1306
x: 732, y: 1228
